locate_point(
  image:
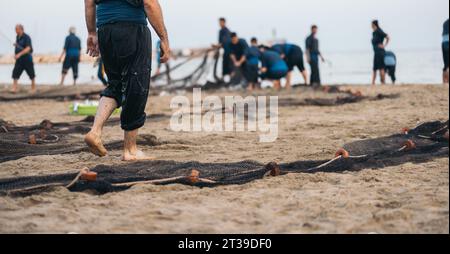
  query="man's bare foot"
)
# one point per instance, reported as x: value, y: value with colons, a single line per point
x: 95, y: 144
x: 138, y: 156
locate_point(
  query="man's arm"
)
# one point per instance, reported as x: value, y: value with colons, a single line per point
x: 25, y: 51
x: 388, y: 39
x: 91, y: 24
x: 155, y: 16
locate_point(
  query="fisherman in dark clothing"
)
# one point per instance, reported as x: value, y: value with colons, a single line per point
x: 293, y: 56
x: 313, y: 54
x: 253, y: 55
x: 379, y: 42
x: 238, y: 55
x: 224, y: 42
x: 24, y: 59
x: 72, y: 53
x: 390, y: 63
x: 273, y: 68
x: 445, y: 52
x: 118, y: 30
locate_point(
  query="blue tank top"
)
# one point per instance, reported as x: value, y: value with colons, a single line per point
x: 112, y: 11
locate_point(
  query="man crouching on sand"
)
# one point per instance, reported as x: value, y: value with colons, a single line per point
x: 124, y: 42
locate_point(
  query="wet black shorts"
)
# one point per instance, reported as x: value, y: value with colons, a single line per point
x: 71, y: 62
x: 445, y: 51
x: 25, y: 63
x: 295, y: 59
x: 378, y: 61
x: 126, y: 50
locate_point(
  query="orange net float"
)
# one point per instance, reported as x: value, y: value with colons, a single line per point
x: 32, y: 139
x: 405, y: 131
x: 343, y: 153
x: 274, y: 169
x: 89, y: 176
x: 410, y: 145
x: 194, y: 176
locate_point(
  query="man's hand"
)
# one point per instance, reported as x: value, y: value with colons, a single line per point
x: 165, y: 51
x: 17, y: 56
x: 381, y: 46
x: 92, y: 45
x: 263, y: 70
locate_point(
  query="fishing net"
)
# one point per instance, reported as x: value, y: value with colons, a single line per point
x: 424, y: 143
x: 49, y: 138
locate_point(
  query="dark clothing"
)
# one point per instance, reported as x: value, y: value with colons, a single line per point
x: 224, y: 40
x: 22, y: 42
x: 293, y: 55
x: 276, y: 67
x: 240, y: 49
x: 378, y: 61
x: 390, y: 62
x: 312, y: 46
x: 71, y: 62
x: 378, y: 38
x: 126, y: 50
x: 445, y: 46
x: 253, y: 55
x: 315, y: 70
x: 113, y: 11
x: 25, y: 63
x: 72, y: 45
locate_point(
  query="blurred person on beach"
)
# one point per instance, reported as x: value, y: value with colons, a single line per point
x: 238, y: 55
x: 24, y: 59
x: 273, y: 67
x: 118, y: 31
x: 253, y: 55
x: 293, y: 56
x: 445, y: 52
x: 71, y: 54
x: 390, y: 63
x: 313, y: 54
x: 224, y: 42
x: 380, y: 40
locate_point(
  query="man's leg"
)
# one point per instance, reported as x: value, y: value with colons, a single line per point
x: 75, y: 71
x: 383, y: 76
x: 446, y: 76
x: 15, y: 86
x: 94, y: 138
x: 63, y: 77
x: 288, y: 79
x: 305, y: 76
x: 33, y: 85
x: 130, y: 151
x: 374, y: 77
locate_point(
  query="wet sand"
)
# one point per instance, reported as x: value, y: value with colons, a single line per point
x: 409, y: 198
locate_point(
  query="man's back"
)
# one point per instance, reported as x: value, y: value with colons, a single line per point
x: 112, y: 11
x: 72, y: 45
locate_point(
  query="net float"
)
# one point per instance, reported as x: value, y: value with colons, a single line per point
x: 32, y: 139
x: 194, y: 176
x: 274, y: 169
x: 343, y: 153
x: 88, y: 176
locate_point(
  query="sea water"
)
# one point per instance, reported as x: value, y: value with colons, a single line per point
x: 414, y: 67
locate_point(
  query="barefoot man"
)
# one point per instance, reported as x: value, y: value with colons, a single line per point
x: 118, y: 31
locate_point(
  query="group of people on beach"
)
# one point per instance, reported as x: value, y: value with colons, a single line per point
x: 272, y: 63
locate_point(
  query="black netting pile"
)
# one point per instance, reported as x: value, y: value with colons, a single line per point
x: 50, y: 138
x: 56, y: 93
x: 429, y: 140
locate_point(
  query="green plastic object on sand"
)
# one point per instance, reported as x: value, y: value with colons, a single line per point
x: 87, y: 108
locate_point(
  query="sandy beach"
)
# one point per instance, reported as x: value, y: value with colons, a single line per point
x: 409, y: 198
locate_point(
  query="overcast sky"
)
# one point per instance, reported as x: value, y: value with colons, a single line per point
x: 344, y: 24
